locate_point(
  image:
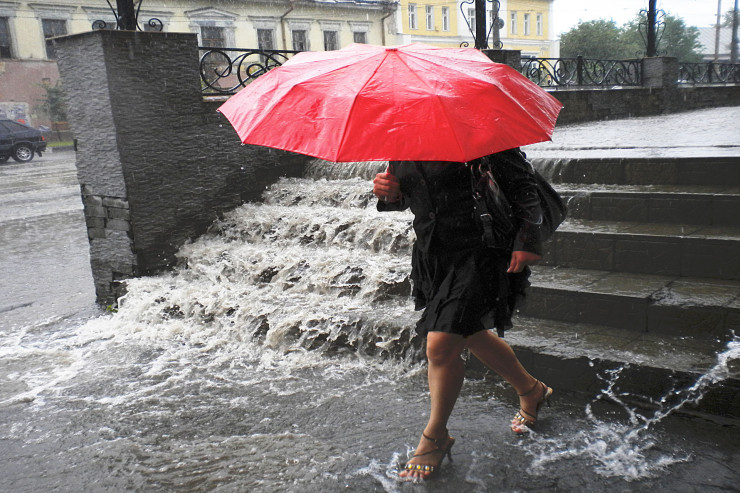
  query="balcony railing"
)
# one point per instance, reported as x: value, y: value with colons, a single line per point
x: 565, y: 73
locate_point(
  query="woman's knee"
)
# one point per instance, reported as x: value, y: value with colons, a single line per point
x: 444, y: 348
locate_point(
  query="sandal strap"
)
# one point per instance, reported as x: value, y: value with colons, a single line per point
x: 536, y: 383
x: 523, y: 420
x: 419, y: 467
x: 436, y: 441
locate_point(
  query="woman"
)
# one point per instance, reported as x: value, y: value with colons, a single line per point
x: 465, y: 287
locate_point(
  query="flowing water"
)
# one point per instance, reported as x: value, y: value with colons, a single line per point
x: 280, y: 356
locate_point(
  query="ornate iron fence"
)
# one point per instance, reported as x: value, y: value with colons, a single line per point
x: 708, y: 73
x: 223, y: 71
x: 567, y: 73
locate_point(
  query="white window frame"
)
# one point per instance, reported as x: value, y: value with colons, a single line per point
x: 527, y: 30
x: 429, y: 14
x: 413, y: 21
x: 299, y: 25
x: 512, y: 22
x: 360, y: 27
x: 8, y: 16
x: 331, y: 26
x: 471, y: 19
x: 540, y: 30
x: 211, y: 17
x: 445, y: 18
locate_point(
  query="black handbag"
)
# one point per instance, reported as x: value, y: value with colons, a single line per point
x: 494, y: 212
x: 554, y: 208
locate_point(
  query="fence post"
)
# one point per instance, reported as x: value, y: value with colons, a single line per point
x: 579, y: 70
x: 660, y: 71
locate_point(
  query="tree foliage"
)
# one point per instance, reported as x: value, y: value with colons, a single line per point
x: 593, y: 39
x: 603, y: 39
x: 53, y: 102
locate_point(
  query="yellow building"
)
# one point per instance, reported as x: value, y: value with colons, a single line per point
x: 527, y: 24
x: 27, y: 57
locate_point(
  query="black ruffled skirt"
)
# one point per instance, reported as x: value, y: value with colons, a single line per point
x: 466, y: 291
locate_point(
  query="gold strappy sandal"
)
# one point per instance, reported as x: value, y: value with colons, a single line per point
x: 430, y: 469
x: 523, y: 421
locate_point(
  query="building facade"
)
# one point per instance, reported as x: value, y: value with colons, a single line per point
x: 525, y: 25
x: 27, y: 55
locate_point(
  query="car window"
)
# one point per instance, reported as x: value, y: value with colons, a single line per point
x: 4, y: 127
x: 15, y: 126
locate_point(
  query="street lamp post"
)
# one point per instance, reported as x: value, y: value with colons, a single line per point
x: 651, y: 34
x: 126, y: 15
x: 480, y: 25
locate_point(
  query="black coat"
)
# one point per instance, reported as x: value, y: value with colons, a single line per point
x: 440, y: 196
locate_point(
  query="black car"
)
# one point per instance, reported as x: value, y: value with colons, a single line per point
x: 19, y: 141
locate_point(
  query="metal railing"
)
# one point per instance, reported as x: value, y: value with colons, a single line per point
x: 708, y: 73
x: 223, y: 71
x: 565, y: 73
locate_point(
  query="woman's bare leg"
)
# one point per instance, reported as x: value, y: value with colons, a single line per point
x: 446, y: 371
x: 497, y: 355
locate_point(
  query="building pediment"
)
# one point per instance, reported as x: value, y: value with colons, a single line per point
x: 211, y: 14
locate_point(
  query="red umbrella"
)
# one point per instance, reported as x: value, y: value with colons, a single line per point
x: 374, y: 103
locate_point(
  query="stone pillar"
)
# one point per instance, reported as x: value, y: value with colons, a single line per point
x: 155, y: 163
x: 660, y: 72
x: 512, y: 58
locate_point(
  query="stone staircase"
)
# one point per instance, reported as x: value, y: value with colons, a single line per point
x: 644, y: 276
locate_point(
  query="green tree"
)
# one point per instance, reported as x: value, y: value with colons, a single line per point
x: 600, y: 39
x: 53, y: 103
x: 727, y: 18
x: 675, y: 39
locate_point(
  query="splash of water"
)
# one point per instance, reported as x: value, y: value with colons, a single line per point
x: 629, y: 450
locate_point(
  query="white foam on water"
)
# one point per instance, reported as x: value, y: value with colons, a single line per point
x: 629, y: 450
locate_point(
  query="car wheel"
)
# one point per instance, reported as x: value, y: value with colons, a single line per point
x: 23, y: 153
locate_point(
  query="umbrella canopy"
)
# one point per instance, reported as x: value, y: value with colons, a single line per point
x: 374, y: 103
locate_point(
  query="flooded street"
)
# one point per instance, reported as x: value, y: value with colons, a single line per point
x: 45, y: 266
x: 202, y: 381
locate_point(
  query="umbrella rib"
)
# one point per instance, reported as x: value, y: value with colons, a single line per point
x: 352, y: 108
x: 447, y: 117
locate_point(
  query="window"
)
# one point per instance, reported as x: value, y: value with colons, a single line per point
x: 212, y: 36
x: 330, y: 41
x: 6, y: 48
x: 445, y: 18
x: 300, y: 40
x: 265, y: 39
x: 430, y: 17
x: 52, y: 28
x: 360, y: 37
x: 412, y: 16
x: 471, y: 19
x: 539, y: 25
x: 512, y: 23
x: 526, y: 24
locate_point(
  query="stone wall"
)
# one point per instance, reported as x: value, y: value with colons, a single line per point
x: 610, y: 104
x: 155, y: 163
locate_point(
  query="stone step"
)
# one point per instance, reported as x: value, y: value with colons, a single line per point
x: 707, y: 205
x: 720, y: 170
x: 666, y: 249
x: 651, y: 368
x: 695, y: 308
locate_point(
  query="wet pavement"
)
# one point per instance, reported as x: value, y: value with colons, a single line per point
x: 124, y: 403
x: 45, y: 266
x: 708, y: 132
